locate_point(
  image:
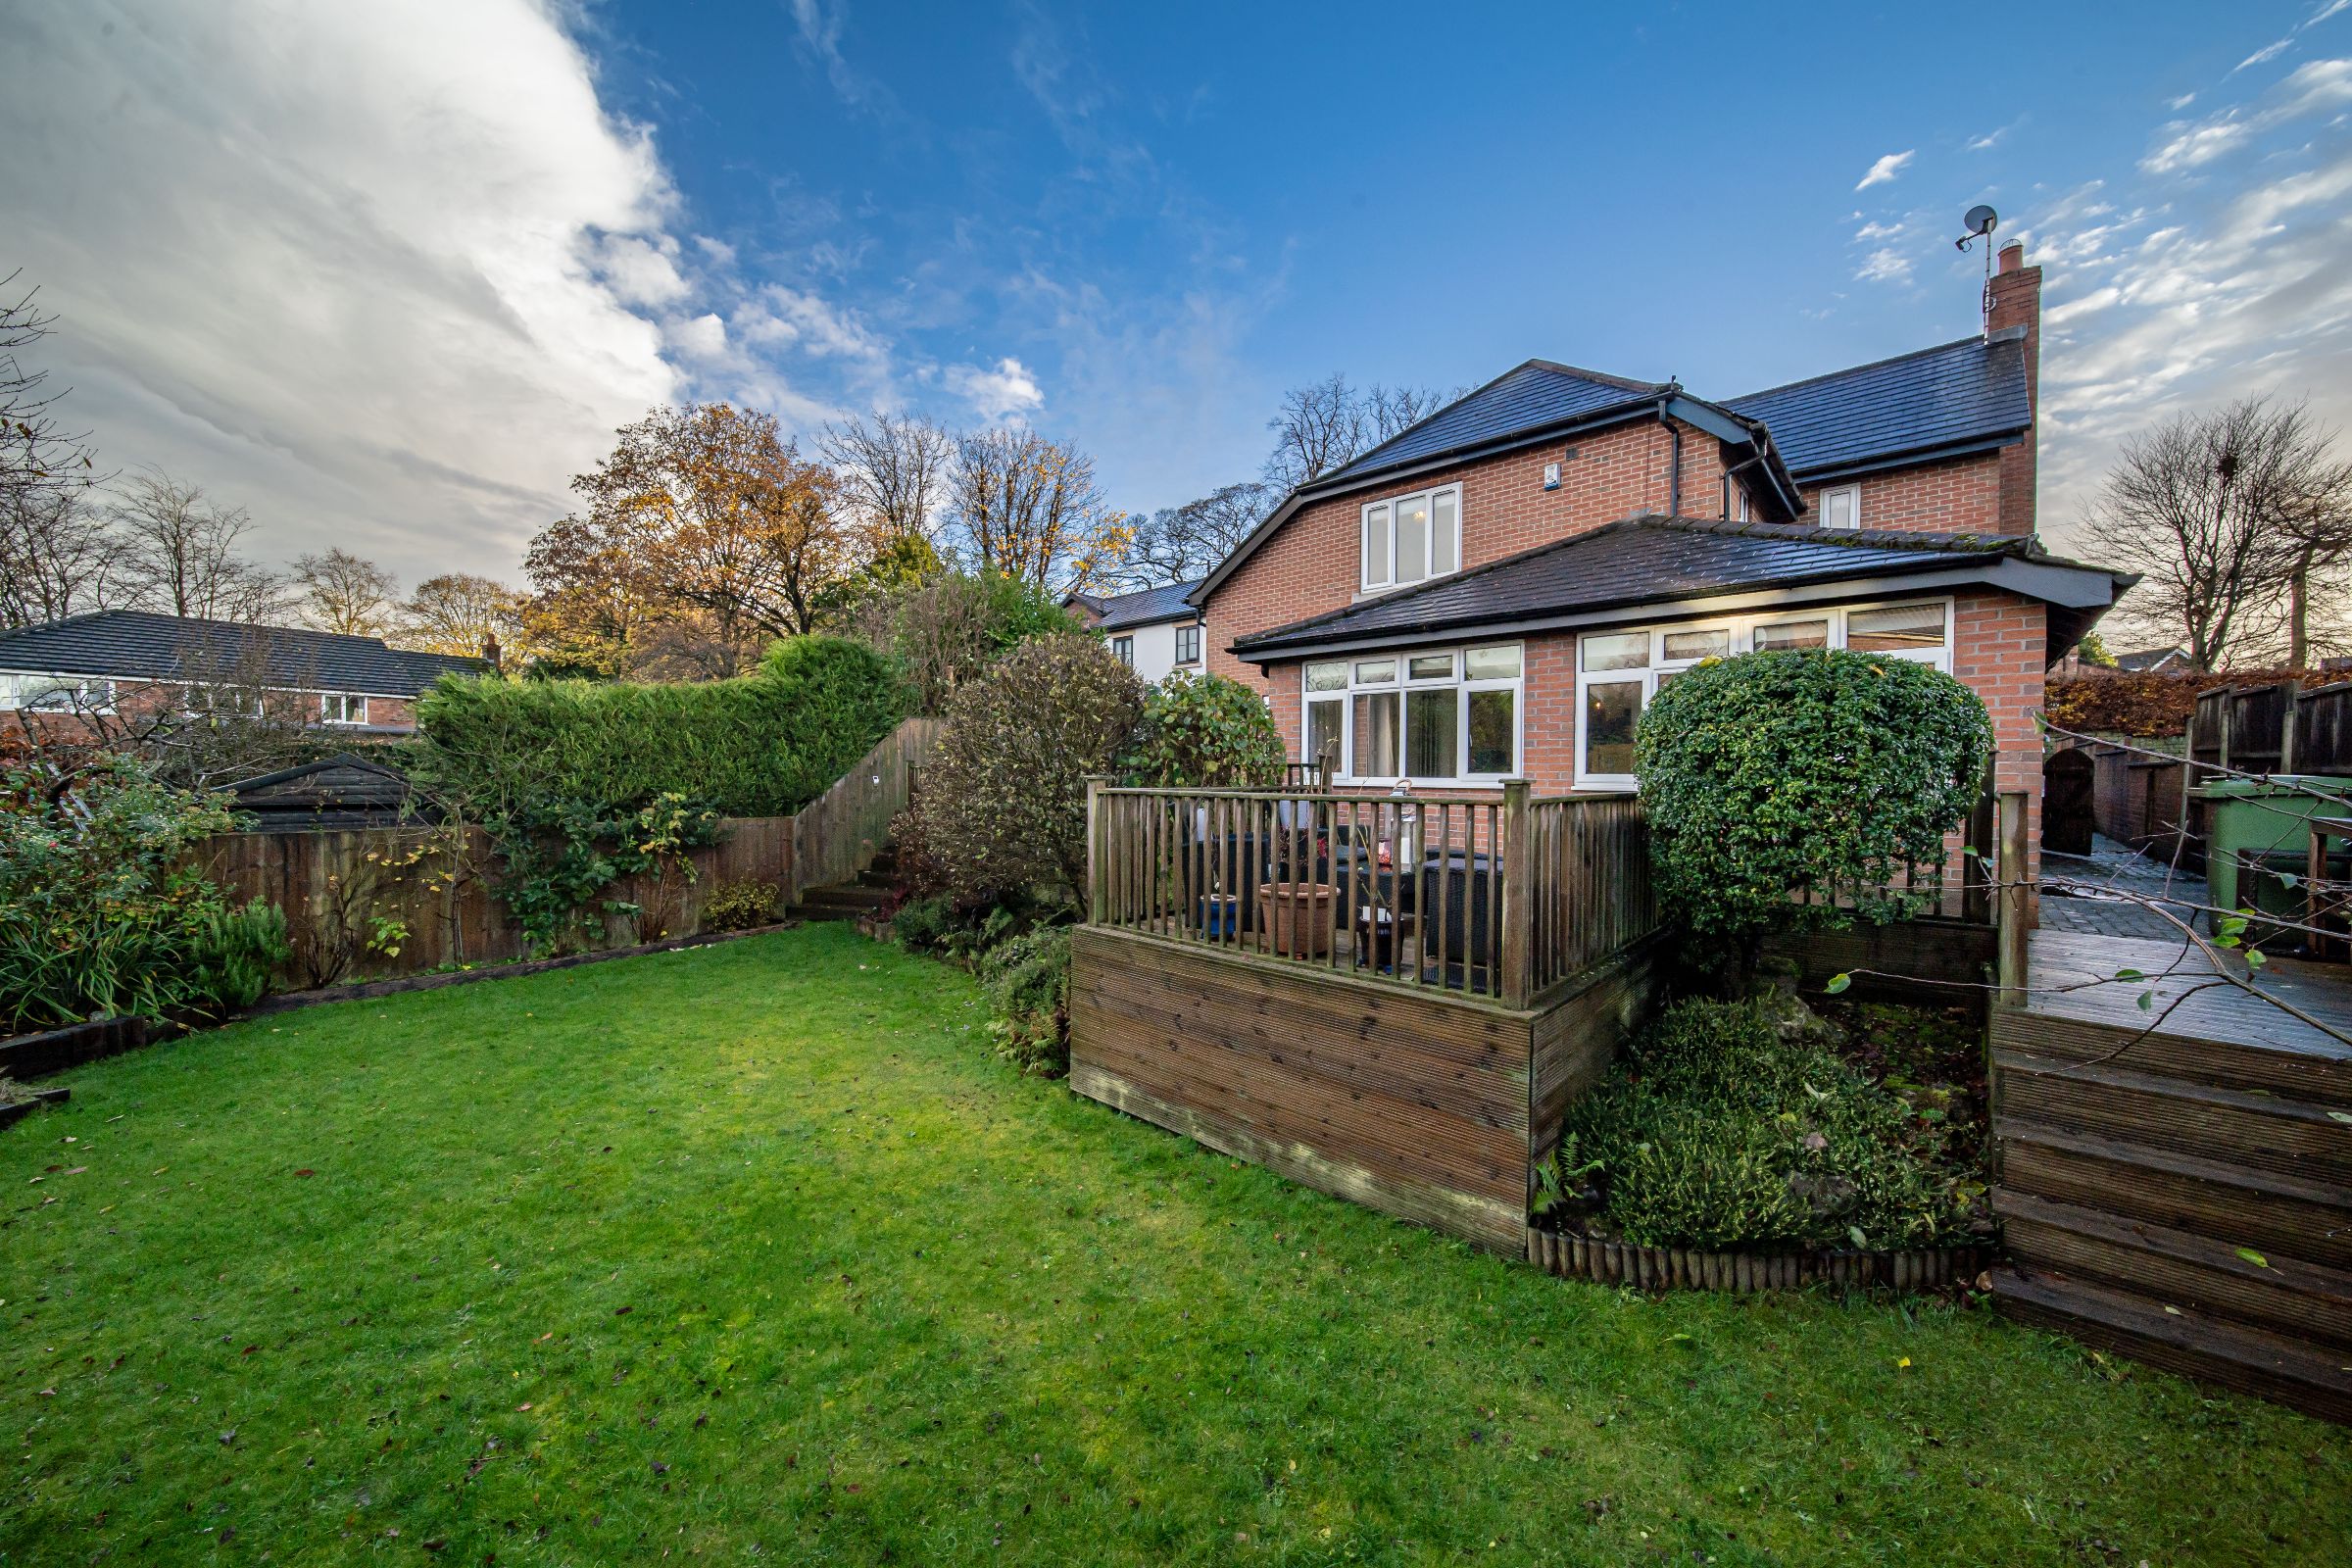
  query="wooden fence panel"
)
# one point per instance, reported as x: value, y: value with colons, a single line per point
x: 836, y: 835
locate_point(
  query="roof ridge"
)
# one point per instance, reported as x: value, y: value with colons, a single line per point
x: 1851, y: 369
x: 1629, y: 383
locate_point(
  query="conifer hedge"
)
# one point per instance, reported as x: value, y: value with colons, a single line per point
x: 762, y: 745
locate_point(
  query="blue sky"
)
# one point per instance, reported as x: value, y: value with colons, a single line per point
x: 466, y: 240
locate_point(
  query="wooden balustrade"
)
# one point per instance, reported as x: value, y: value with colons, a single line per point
x: 1491, y: 896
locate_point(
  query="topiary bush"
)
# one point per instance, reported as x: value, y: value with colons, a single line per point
x: 760, y: 745
x: 1206, y: 732
x: 1773, y: 774
x: 1001, y: 812
x: 102, y: 909
x: 1717, y: 1130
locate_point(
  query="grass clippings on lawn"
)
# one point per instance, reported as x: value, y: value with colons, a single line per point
x: 756, y: 1252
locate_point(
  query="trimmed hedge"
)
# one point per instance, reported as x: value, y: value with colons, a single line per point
x: 1775, y: 773
x: 762, y: 745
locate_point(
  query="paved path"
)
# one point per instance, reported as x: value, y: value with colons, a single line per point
x: 2109, y: 892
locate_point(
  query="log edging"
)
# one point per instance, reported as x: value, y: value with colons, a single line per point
x: 1571, y: 1256
x: 15, y: 1111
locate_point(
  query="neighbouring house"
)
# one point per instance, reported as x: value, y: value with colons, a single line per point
x: 2171, y: 661
x: 134, y: 664
x: 1497, y: 591
x: 1154, y: 632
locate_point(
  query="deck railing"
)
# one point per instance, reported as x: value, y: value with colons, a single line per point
x: 1492, y: 895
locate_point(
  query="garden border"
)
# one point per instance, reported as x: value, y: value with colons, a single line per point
x: 15, y: 1111
x: 1571, y: 1256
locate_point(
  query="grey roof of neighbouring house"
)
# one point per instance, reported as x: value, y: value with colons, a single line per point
x: 1949, y: 398
x: 1624, y: 570
x: 2150, y: 658
x: 141, y: 645
x: 1143, y: 608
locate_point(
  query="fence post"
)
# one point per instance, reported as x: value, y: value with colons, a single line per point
x: 2015, y: 900
x: 1518, y: 908
x: 1976, y: 900
x: 1095, y: 912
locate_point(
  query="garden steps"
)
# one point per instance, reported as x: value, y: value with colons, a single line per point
x: 2262, y: 1210
x: 2179, y: 1198
x: 2194, y: 1344
x: 2280, y: 1293
x: 862, y: 897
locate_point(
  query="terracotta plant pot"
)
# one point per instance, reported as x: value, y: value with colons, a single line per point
x: 1298, y: 917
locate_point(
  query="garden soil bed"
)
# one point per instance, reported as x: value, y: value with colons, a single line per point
x: 1571, y: 1255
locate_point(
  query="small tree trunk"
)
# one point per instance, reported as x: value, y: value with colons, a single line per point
x: 2299, y: 610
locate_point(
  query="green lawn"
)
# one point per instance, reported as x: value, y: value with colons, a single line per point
x: 752, y: 1253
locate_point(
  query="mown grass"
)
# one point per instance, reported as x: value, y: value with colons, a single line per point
x: 755, y: 1254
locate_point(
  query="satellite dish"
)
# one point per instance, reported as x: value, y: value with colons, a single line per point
x: 1979, y: 222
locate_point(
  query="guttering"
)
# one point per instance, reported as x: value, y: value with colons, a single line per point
x: 2065, y: 587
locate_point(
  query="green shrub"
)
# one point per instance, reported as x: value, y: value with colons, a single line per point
x: 1001, y: 812
x: 1206, y: 732
x: 744, y: 905
x: 1716, y: 1131
x: 1773, y: 774
x: 559, y: 858
x: 1028, y: 980
x: 102, y: 912
x: 762, y: 745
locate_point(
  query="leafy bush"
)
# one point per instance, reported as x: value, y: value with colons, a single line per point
x: 744, y: 905
x: 1002, y: 806
x: 102, y: 912
x: 1208, y: 732
x: 1028, y: 980
x: 762, y: 745
x: 944, y: 631
x: 1775, y: 772
x: 1717, y: 1131
x: 561, y: 857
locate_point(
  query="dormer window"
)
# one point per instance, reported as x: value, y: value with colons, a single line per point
x: 1409, y: 539
x: 1841, y: 508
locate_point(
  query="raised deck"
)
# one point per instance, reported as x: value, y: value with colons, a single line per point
x: 2177, y: 1177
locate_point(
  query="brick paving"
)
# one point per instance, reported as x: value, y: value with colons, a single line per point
x: 2108, y: 893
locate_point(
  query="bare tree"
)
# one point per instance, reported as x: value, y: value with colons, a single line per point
x: 2315, y: 527
x: 893, y: 473
x: 1030, y: 508
x: 180, y: 553
x: 341, y: 592
x: 56, y: 555
x: 2200, y: 507
x: 457, y: 613
x: 1328, y: 425
x: 1188, y: 541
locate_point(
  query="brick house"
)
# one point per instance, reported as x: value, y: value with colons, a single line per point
x: 131, y: 663
x: 1498, y: 590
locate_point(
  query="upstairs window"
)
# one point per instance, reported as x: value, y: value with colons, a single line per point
x: 1188, y: 644
x: 1841, y: 508
x: 1122, y: 649
x: 1410, y: 539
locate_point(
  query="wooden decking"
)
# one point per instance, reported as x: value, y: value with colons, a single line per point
x: 2175, y: 1180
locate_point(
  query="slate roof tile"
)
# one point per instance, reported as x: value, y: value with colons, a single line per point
x: 138, y: 644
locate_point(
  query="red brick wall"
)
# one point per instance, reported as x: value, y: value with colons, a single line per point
x: 2017, y: 302
x: 1962, y: 495
x: 1310, y: 565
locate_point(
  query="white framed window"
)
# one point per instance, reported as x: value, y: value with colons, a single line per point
x: 222, y: 702
x: 1841, y: 508
x: 1438, y: 715
x: 1410, y: 539
x: 1122, y: 649
x: 1188, y: 644
x: 1618, y: 672
x: 57, y: 693
x: 342, y: 708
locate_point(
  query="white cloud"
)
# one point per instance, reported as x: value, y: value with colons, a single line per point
x: 361, y: 269
x: 780, y: 317
x: 1885, y: 169
x: 701, y: 337
x: 998, y: 393
x: 2176, y: 105
x: 1993, y: 138
x: 2268, y: 52
x: 1886, y: 265
x: 2188, y: 146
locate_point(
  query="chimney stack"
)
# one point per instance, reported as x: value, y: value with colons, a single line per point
x: 2013, y: 313
x: 490, y: 651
